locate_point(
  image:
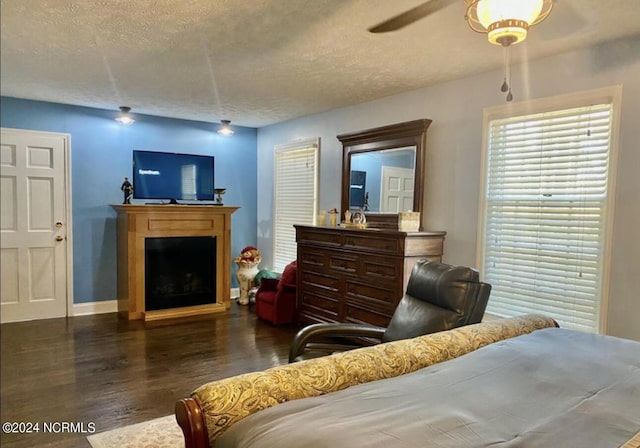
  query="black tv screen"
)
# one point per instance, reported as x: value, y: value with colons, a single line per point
x: 163, y: 175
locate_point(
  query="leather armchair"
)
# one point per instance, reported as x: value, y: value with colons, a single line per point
x: 438, y: 297
x: 276, y: 297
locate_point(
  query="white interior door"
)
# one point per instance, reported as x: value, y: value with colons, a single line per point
x: 397, y: 189
x: 33, y: 228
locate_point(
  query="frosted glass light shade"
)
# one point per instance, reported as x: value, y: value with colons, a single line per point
x: 506, y: 21
x: 491, y: 11
x: 225, y: 128
x: 124, y: 117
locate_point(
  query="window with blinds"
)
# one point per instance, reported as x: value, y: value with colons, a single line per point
x: 295, y: 197
x: 546, y: 197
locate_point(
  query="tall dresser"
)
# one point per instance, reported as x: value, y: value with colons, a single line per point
x: 357, y: 275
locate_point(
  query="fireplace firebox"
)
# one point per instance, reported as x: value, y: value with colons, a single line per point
x: 179, y: 271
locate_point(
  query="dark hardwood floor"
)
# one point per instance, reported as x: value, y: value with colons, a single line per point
x: 113, y: 373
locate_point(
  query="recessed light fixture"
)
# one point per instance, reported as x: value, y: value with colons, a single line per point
x: 124, y: 117
x: 225, y: 128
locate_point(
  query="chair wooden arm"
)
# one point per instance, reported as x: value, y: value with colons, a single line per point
x: 336, y: 331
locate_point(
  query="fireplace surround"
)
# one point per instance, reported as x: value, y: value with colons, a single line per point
x: 142, y: 226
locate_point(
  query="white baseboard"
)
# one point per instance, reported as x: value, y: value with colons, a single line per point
x: 104, y: 306
x: 111, y: 306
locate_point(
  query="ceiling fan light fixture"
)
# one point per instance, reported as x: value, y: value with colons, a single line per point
x: 225, y: 128
x: 124, y: 117
x: 506, y: 22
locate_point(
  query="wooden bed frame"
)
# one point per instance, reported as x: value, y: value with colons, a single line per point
x: 191, y: 421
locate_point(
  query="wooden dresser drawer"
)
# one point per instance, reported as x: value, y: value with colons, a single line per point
x: 343, y: 262
x: 373, y: 244
x: 419, y: 247
x: 319, y: 235
x: 312, y: 302
x: 313, y: 259
x: 379, y: 268
x: 321, y: 281
x: 357, y: 275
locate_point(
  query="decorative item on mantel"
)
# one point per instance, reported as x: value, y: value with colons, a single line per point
x: 247, y: 263
x: 219, y: 192
x: 409, y: 221
x: 127, y: 189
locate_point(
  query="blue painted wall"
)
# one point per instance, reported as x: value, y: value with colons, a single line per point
x: 101, y: 153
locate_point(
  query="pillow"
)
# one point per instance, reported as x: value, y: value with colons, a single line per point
x: 288, y: 275
x: 264, y: 273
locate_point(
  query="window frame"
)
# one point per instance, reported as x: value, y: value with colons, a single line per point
x: 611, y: 95
x: 294, y: 146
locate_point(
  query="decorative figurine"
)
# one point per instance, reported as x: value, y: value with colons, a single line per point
x: 127, y: 189
x: 359, y: 218
x: 219, y: 192
x: 333, y: 217
x: 247, y: 263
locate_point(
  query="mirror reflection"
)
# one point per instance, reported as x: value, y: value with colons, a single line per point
x: 383, y: 181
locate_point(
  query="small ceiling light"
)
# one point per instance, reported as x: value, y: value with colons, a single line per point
x: 225, y: 128
x: 506, y: 22
x: 124, y: 117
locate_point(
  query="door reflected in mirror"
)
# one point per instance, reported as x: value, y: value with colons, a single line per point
x: 382, y: 181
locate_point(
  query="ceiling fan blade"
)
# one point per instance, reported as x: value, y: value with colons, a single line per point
x: 410, y: 16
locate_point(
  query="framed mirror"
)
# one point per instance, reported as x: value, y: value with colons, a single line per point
x: 383, y: 171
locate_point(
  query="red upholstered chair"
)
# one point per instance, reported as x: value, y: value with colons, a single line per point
x: 276, y: 298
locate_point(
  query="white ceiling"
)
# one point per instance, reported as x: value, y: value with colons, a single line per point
x: 259, y: 62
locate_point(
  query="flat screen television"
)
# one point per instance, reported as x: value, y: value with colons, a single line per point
x: 172, y: 176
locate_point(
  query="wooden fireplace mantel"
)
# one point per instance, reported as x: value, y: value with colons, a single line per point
x: 137, y: 222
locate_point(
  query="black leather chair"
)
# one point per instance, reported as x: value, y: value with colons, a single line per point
x: 439, y: 297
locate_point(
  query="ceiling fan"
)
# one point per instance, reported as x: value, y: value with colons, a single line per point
x: 567, y: 19
x: 506, y: 22
x: 410, y: 16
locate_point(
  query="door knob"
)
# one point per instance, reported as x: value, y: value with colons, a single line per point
x: 59, y: 238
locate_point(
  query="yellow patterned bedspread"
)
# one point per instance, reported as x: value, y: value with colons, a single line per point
x: 227, y: 401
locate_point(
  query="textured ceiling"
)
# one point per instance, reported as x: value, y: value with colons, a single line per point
x: 258, y: 62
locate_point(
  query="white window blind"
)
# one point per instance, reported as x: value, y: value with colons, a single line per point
x: 545, y: 209
x: 295, y: 197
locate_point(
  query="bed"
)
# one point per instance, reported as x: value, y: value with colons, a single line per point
x: 512, y: 383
